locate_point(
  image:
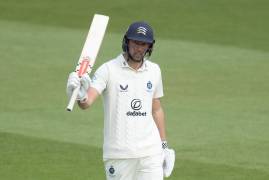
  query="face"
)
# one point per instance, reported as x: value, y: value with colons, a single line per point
x: 137, y: 49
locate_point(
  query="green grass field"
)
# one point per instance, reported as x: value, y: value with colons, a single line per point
x: 214, y: 57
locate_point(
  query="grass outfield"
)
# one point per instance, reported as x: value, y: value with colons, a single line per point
x: 216, y: 90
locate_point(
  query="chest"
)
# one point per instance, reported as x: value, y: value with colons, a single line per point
x: 140, y: 83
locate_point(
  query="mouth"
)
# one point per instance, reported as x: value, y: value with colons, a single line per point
x: 138, y: 57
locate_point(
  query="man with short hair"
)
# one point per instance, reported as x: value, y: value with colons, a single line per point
x: 135, y: 146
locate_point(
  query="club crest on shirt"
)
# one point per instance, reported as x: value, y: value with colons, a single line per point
x: 149, y: 86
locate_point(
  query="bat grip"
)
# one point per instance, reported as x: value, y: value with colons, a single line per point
x: 72, y: 99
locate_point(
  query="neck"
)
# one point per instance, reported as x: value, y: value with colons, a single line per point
x: 133, y: 64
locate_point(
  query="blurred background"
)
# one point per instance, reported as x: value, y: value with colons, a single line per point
x: 214, y: 57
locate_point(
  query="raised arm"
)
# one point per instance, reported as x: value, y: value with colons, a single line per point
x: 86, y: 94
x: 92, y: 96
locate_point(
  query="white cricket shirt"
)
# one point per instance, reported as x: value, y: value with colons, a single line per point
x: 129, y: 128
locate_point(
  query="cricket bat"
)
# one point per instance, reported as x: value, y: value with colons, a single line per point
x: 89, y: 52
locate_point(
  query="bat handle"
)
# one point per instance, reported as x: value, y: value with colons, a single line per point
x: 72, y: 99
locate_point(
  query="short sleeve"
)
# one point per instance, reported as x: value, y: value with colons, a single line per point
x: 100, y: 78
x: 159, y: 86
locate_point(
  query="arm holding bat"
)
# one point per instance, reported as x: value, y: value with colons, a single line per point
x: 79, y: 81
x: 86, y: 95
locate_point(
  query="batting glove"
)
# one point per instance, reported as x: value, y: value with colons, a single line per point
x: 74, y: 81
x: 169, y: 159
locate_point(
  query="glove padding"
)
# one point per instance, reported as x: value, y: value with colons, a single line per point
x: 74, y: 81
x: 169, y: 161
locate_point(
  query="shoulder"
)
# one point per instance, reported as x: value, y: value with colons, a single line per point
x: 112, y: 63
x: 116, y: 62
x: 153, y: 66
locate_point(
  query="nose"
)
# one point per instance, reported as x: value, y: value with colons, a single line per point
x: 140, y: 48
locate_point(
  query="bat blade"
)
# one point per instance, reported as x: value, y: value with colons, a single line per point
x: 89, y: 52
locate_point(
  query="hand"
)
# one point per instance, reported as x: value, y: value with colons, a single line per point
x: 74, y: 81
x: 169, y: 160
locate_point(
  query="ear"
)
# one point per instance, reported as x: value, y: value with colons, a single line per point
x: 125, y: 44
x: 150, y: 49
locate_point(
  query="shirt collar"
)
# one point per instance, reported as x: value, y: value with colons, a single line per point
x: 124, y: 64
